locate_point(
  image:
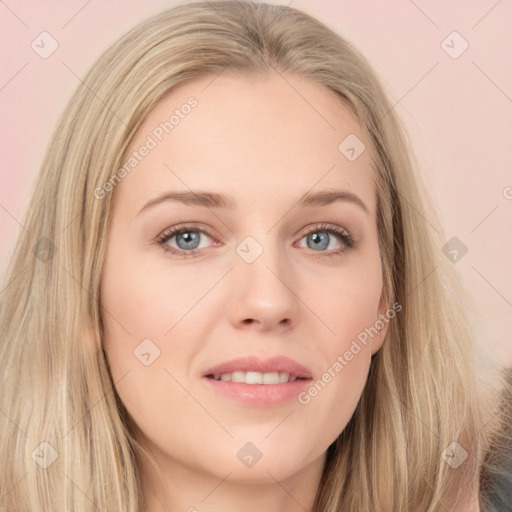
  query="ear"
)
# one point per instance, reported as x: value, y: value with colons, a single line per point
x: 381, y: 323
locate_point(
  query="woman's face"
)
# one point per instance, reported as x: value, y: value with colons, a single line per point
x: 241, y: 344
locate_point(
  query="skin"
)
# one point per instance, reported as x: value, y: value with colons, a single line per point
x: 259, y: 141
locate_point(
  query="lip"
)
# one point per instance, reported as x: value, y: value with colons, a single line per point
x: 262, y: 395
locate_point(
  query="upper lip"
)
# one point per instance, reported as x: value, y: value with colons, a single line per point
x: 279, y: 364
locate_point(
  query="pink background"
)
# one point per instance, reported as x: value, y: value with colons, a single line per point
x: 458, y: 111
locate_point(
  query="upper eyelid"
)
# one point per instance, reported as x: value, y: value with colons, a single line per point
x: 172, y: 231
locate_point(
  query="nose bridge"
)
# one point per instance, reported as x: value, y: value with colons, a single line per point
x: 259, y: 260
x: 264, y: 282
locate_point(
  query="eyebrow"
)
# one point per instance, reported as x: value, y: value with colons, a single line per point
x: 215, y: 200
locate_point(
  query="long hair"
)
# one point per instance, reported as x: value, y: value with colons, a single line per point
x: 67, y: 442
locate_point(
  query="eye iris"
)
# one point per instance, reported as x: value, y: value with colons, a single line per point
x: 190, y: 238
x: 321, y: 240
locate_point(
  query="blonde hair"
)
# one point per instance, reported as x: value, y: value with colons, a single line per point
x: 422, y: 393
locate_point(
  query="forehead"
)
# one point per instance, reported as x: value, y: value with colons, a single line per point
x: 248, y: 135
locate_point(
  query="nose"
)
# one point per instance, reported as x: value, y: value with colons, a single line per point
x: 265, y: 295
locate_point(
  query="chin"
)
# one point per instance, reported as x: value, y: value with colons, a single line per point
x: 264, y: 462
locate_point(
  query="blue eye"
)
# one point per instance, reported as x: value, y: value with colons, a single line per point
x: 320, y: 238
x: 187, y: 240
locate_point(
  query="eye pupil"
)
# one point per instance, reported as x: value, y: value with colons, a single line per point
x: 320, y: 240
x: 190, y: 238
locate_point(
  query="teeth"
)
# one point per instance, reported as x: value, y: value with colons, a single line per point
x: 271, y: 378
x: 256, y: 377
x: 284, y: 377
x: 238, y: 377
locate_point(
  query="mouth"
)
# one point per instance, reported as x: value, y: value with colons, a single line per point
x: 258, y: 382
x: 271, y: 378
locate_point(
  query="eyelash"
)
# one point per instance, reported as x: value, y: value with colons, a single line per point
x: 344, y: 236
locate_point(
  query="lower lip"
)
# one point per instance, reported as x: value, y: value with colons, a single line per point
x: 259, y: 394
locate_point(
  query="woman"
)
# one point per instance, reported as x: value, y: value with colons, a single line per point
x: 234, y: 300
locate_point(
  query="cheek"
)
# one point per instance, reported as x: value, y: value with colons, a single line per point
x: 348, y: 303
x: 150, y: 317
x: 349, y: 309
x: 331, y: 399
x: 139, y: 308
x: 145, y: 299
